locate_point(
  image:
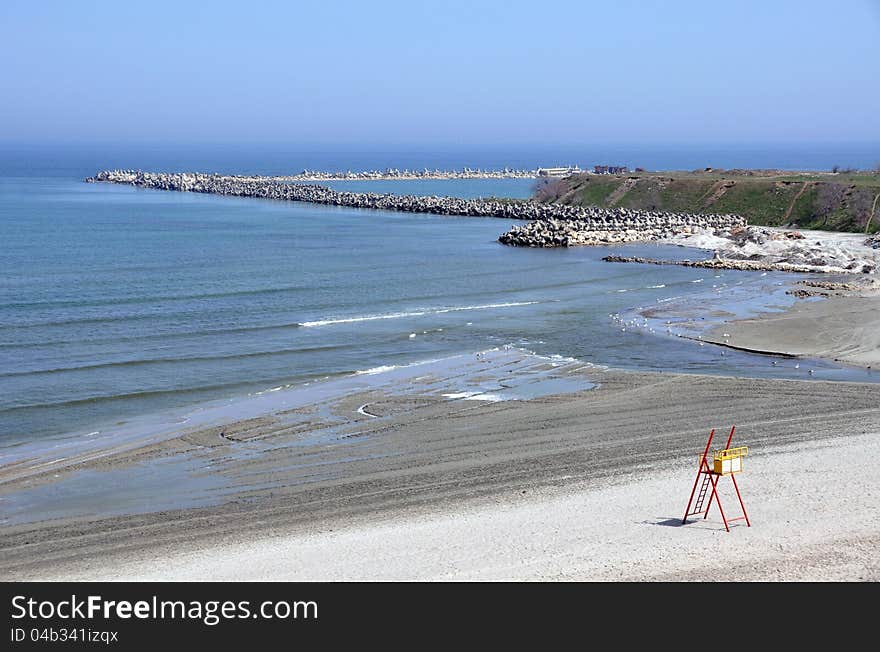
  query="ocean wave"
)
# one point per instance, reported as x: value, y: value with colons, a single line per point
x: 391, y: 367
x: 149, y: 299
x: 414, y: 313
x: 176, y: 360
x: 647, y: 287
x: 377, y: 370
x: 193, y: 390
x: 140, y: 337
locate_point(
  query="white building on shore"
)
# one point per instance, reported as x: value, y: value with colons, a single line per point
x: 559, y: 172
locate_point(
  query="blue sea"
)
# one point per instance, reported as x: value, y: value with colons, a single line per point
x: 116, y: 302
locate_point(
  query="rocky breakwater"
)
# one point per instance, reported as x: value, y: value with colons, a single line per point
x: 393, y: 174
x: 551, y: 225
x: 267, y: 188
x: 601, y: 226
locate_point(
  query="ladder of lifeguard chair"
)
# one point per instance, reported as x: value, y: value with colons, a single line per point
x: 709, y: 506
x: 704, y: 467
x: 701, y: 497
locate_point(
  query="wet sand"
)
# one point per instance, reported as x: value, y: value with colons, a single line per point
x: 843, y: 326
x: 576, y: 486
x: 623, y: 531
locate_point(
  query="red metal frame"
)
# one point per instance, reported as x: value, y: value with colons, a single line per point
x: 712, y: 479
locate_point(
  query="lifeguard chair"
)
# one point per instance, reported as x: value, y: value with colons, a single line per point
x: 725, y: 463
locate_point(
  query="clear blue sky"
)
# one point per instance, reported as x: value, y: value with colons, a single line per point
x: 441, y: 72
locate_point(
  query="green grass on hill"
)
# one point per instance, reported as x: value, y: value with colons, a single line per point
x: 841, y: 202
x: 595, y: 194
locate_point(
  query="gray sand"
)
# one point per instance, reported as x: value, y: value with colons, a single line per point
x: 432, y: 461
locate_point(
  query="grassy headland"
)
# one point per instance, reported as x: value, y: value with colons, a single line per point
x: 842, y: 201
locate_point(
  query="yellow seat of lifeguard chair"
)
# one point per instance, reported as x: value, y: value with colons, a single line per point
x: 730, y: 460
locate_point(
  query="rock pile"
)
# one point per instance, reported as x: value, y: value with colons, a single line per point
x: 723, y: 263
x: 742, y: 235
x: 793, y: 248
x: 601, y: 226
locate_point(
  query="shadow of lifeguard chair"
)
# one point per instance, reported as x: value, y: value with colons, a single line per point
x: 725, y: 463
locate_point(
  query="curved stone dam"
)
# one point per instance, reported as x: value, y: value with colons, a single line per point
x: 550, y: 225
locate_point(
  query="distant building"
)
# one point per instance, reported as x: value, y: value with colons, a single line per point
x: 610, y: 169
x: 559, y: 172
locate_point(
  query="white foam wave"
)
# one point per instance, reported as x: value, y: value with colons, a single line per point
x: 647, y: 287
x: 376, y: 370
x: 271, y: 389
x: 561, y: 358
x: 414, y: 313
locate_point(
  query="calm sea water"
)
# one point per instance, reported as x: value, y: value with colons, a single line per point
x: 117, y: 302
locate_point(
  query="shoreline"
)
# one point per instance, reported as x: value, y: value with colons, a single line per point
x: 312, y: 412
x: 841, y: 324
x: 434, y: 462
x: 147, y: 429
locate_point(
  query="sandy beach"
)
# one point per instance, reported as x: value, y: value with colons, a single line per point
x: 588, y: 485
x: 842, y: 325
x: 813, y: 506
